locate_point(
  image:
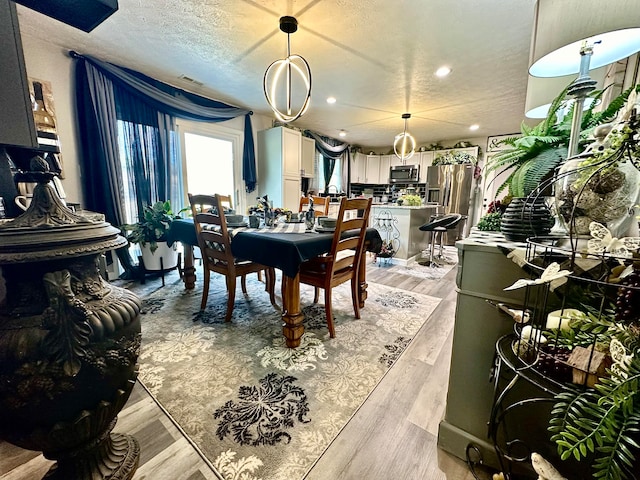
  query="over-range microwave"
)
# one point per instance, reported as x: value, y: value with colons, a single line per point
x: 404, y: 173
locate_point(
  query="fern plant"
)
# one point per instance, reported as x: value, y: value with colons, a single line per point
x: 602, y: 424
x: 534, y: 155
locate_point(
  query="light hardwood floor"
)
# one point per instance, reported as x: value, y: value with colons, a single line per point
x: 392, y: 436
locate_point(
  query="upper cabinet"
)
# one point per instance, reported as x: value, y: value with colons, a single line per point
x: 279, y: 165
x: 373, y: 169
x: 358, y: 168
x: 17, y: 126
x: 425, y: 160
x: 308, y: 157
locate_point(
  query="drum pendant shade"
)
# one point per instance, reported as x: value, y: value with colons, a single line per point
x: 560, y: 27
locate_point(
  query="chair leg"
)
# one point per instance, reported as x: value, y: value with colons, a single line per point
x: 316, y: 294
x: 355, y: 296
x: 270, y: 279
x: 243, y: 283
x: 260, y: 276
x: 231, y: 292
x: 205, y: 289
x: 329, y: 313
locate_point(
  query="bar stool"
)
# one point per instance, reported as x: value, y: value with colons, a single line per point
x: 437, y: 228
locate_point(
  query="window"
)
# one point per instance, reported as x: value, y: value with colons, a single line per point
x: 212, y: 161
x: 336, y: 177
x: 209, y: 164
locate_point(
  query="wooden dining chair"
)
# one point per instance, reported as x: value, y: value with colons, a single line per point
x: 215, y: 244
x: 320, y: 205
x: 342, y: 262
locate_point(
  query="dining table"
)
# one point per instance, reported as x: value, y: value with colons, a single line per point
x: 284, y: 247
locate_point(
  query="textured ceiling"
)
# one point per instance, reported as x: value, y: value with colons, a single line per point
x: 377, y: 57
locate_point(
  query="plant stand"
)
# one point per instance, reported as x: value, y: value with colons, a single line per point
x: 163, y: 260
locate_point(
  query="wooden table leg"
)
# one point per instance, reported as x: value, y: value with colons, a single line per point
x: 189, y: 271
x: 362, y: 279
x: 291, y: 314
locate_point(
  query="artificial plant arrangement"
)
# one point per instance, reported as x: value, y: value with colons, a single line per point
x: 490, y: 222
x: 153, y: 226
x: 602, y: 184
x: 533, y: 156
x: 411, y: 200
x: 455, y: 157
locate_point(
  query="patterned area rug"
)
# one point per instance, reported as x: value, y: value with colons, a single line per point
x: 448, y: 260
x: 256, y: 409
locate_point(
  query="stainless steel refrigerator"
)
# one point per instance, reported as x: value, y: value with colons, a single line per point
x: 450, y: 186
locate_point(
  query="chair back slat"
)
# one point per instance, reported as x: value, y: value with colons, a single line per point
x: 362, y: 207
x: 211, y: 229
x: 320, y: 205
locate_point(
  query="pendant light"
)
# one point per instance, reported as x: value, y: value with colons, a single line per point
x: 404, y: 145
x: 288, y: 69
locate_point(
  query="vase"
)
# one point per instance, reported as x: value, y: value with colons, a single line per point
x: 606, y: 195
x: 526, y: 217
x: 165, y: 257
x: 69, y: 342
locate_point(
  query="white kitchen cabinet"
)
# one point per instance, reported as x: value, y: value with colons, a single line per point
x: 395, y: 161
x: 359, y: 168
x: 385, y: 165
x: 426, y: 160
x: 308, y: 163
x: 279, y: 165
x: 373, y: 169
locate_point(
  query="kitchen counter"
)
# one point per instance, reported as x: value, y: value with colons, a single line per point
x: 399, y: 225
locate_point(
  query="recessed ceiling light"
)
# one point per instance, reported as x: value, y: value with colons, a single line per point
x: 331, y: 99
x: 443, y: 71
x: 475, y: 126
x: 342, y: 133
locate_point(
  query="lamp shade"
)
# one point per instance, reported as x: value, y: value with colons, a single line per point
x: 560, y: 27
x: 542, y: 91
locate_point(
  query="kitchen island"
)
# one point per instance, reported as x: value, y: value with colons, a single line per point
x: 399, y: 226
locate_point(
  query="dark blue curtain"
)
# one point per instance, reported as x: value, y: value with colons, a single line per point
x: 331, y: 150
x: 114, y: 102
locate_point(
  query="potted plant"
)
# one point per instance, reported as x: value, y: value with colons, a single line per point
x: 150, y: 232
x: 532, y: 157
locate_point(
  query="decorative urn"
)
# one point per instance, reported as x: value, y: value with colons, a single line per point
x: 69, y: 341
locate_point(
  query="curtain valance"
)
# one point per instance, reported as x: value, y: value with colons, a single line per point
x: 329, y: 147
x: 180, y: 104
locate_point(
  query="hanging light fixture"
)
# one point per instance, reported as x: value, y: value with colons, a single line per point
x: 404, y: 145
x: 286, y: 68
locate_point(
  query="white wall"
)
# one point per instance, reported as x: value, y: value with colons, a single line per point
x: 46, y: 61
